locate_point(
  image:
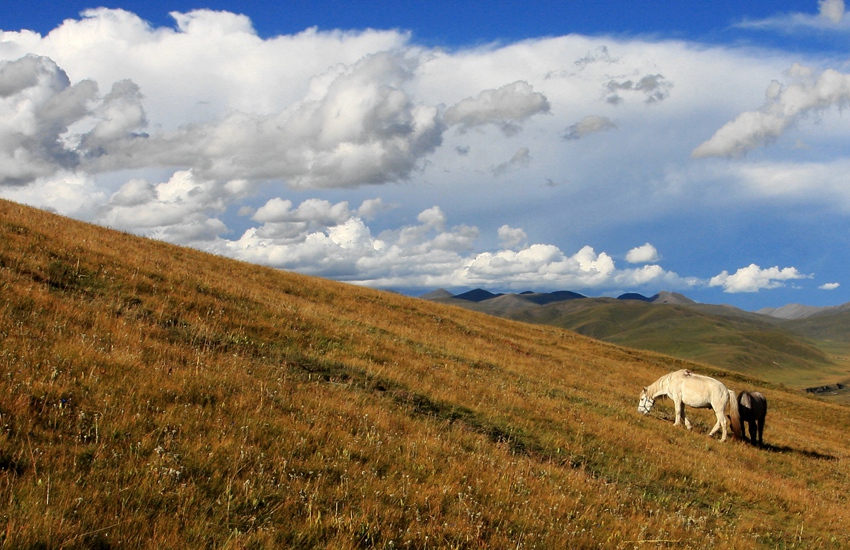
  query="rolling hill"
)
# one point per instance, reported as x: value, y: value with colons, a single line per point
x: 803, y: 352
x: 158, y: 397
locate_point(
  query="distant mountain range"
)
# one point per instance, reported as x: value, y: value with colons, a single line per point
x: 787, y: 312
x: 796, y: 345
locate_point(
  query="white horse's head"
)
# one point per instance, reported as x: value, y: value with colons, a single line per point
x: 646, y: 402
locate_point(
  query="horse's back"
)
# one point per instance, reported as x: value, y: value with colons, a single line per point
x: 703, y: 391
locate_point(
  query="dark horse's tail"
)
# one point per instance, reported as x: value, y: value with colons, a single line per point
x: 735, y: 416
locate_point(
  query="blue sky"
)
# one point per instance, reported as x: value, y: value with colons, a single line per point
x: 596, y: 147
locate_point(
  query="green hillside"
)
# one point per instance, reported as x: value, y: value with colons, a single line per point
x: 794, y: 353
x: 158, y: 397
x: 832, y: 327
x: 736, y: 343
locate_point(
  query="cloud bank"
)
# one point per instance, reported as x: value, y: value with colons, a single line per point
x: 364, y: 157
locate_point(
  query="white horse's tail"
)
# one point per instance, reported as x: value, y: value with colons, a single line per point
x: 735, y: 415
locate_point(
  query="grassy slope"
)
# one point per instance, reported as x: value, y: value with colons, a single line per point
x: 155, y: 396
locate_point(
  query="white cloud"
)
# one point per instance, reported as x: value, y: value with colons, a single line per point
x: 808, y: 92
x: 311, y: 210
x: 433, y: 218
x: 546, y: 266
x: 589, y: 125
x: 183, y: 209
x: 829, y: 286
x: 540, y: 264
x: 512, y: 237
x: 428, y: 254
x: 37, y: 105
x: 66, y: 193
x: 830, y: 16
x: 643, y: 254
x: 371, y: 208
x: 352, y: 124
x: 346, y: 249
x: 362, y: 129
x: 505, y: 107
x: 831, y: 9
x: 211, y: 62
x: 753, y: 278
x: 654, y: 277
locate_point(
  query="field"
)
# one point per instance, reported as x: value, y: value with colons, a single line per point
x: 158, y: 397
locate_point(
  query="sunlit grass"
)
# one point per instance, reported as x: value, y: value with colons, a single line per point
x: 155, y: 396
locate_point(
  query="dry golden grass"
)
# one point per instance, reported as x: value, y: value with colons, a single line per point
x: 155, y: 396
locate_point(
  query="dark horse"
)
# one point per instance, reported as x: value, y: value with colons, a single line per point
x: 749, y: 407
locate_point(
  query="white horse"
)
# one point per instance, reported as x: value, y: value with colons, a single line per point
x: 694, y: 390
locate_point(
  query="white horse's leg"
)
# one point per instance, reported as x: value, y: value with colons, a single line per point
x: 721, y: 423
x: 678, y: 406
x: 683, y: 415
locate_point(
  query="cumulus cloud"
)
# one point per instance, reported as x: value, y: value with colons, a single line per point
x: 829, y: 286
x: 753, y: 278
x: 589, y: 125
x: 643, y: 254
x: 505, y: 107
x: 362, y: 128
x: 546, y: 266
x: 540, y: 263
x: 512, y: 237
x: 182, y: 209
x: 120, y: 117
x: 809, y: 91
x: 278, y: 210
x: 38, y: 105
x: 342, y: 246
x: 429, y: 253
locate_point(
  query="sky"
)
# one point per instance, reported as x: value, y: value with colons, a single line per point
x: 603, y: 148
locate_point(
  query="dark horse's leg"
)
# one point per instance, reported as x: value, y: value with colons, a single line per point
x: 760, y: 424
x: 753, y: 431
